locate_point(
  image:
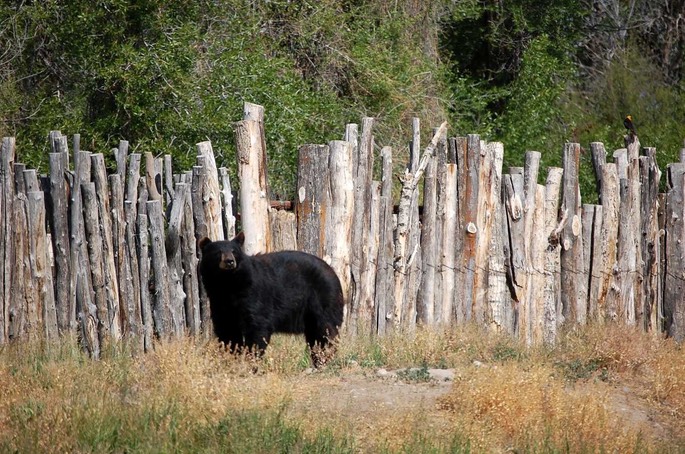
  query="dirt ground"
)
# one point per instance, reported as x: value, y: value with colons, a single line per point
x: 372, y: 403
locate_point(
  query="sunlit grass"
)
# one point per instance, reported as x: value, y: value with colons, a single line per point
x: 190, y: 396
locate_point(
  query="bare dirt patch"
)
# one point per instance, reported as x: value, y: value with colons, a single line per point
x: 372, y: 404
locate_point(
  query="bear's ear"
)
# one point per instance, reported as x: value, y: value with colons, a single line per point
x: 240, y: 239
x: 203, y: 242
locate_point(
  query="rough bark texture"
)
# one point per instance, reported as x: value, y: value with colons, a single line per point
x: 313, y: 198
x: 338, y: 220
x: 573, y: 281
x: 254, y: 198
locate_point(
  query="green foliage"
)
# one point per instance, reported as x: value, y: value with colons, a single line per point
x: 165, y: 75
x: 533, y: 116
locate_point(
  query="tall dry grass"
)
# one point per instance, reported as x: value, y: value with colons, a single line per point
x: 604, y: 389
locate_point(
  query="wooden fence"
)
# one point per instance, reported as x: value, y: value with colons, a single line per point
x: 114, y: 257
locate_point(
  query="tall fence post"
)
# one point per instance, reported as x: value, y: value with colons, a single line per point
x: 7, y: 155
x: 59, y: 223
x: 254, y: 196
x: 674, y: 283
x: 650, y: 176
x: 573, y: 283
x: 499, y: 299
x: 338, y: 230
x: 385, y: 277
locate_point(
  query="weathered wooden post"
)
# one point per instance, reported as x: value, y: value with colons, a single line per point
x: 531, y: 170
x: 153, y: 176
x: 513, y: 244
x: 59, y: 222
x: 468, y: 210
x: 425, y: 309
x: 131, y: 304
x: 599, y: 158
x: 385, y: 276
x: 227, y: 202
x: 361, y: 225
x: 7, y: 155
x: 22, y: 304
x: 457, y: 149
x: 313, y: 198
x: 484, y: 225
x: 499, y: 299
x: 142, y: 242
x: 111, y: 284
x: 201, y: 231
x: 338, y: 235
x: 117, y: 186
x: 95, y: 249
x: 674, y: 282
x: 211, y: 193
x: 403, y: 256
x: 283, y: 226
x: 604, y: 291
x: 650, y: 176
x: 413, y: 276
x: 254, y: 196
x: 40, y: 269
x: 367, y: 290
x: 448, y: 250
x: 162, y: 315
x: 536, y: 284
x: 552, y: 255
x: 173, y: 248
x: 189, y: 258
x: 629, y: 251
x: 573, y: 280
x: 86, y: 310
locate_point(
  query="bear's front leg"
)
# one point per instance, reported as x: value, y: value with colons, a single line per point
x: 257, y: 341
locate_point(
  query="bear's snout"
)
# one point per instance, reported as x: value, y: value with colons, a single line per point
x: 227, y: 262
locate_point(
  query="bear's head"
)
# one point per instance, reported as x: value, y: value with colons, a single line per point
x: 222, y: 255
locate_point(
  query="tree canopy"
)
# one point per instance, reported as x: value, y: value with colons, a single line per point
x: 165, y: 75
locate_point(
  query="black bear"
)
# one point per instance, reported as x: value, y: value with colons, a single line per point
x: 252, y: 297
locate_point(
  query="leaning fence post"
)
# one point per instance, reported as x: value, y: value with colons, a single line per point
x: 403, y: 255
x: 108, y: 254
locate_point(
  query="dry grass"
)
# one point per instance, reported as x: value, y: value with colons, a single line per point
x: 610, y: 389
